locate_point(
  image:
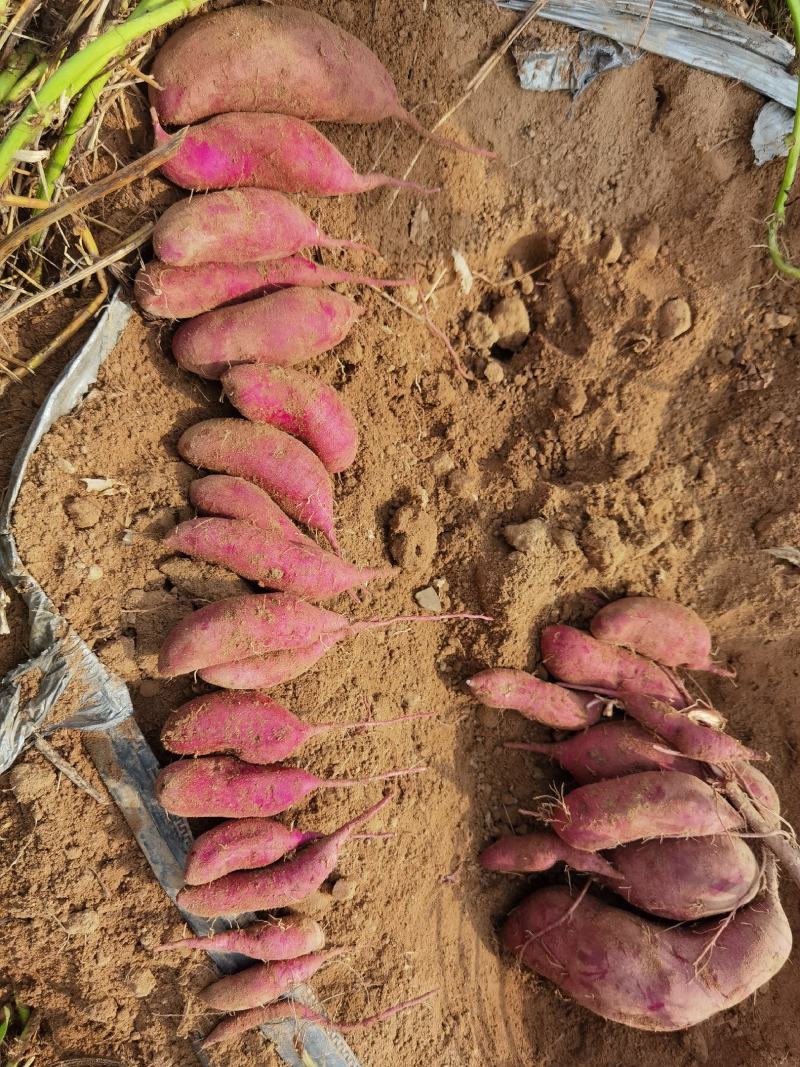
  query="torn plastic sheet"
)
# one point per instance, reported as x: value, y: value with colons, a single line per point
x: 704, y: 37
x: 770, y: 132
x: 571, y: 69
x: 117, y: 747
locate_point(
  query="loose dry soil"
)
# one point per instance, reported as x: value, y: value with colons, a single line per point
x: 656, y: 463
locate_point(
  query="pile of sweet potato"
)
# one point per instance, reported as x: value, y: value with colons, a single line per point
x: 667, y: 814
x: 256, y: 75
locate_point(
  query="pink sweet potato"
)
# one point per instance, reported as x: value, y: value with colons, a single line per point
x: 221, y: 787
x: 299, y: 404
x: 293, y: 1011
x: 582, y: 662
x: 539, y: 851
x: 279, y: 329
x: 279, y: 939
x: 249, y: 725
x: 682, y: 733
x: 279, y: 885
x: 268, y: 151
x: 640, y: 806
x: 641, y: 973
x: 236, y: 225
x: 275, y: 461
x: 183, y: 292
x: 236, y: 498
x: 239, y: 628
x: 264, y: 982
x: 238, y: 845
x: 658, y: 629
x: 610, y: 750
x: 267, y: 671
x: 270, y: 559
x: 551, y: 705
x: 282, y: 60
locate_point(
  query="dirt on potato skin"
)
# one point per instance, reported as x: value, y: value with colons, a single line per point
x: 656, y: 466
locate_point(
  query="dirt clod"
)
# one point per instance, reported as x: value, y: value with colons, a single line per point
x: 481, y: 332
x: 674, y: 319
x: 511, y: 320
x: 84, y: 513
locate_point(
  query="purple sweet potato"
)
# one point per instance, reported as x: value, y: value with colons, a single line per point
x: 539, y: 851
x: 238, y: 845
x: 293, y: 1011
x: 298, y: 404
x: 682, y: 733
x: 640, y: 972
x: 236, y: 225
x: 650, y: 804
x: 236, y: 498
x: 268, y: 151
x: 275, y: 461
x: 279, y: 939
x: 249, y: 725
x: 222, y: 787
x: 264, y: 982
x: 270, y: 559
x: 279, y: 329
x: 183, y: 292
x: 551, y: 705
x: 610, y: 750
x: 282, y: 60
x: 582, y: 662
x: 279, y: 885
x: 658, y: 629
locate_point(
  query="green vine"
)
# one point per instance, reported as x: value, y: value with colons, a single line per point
x: 778, y: 217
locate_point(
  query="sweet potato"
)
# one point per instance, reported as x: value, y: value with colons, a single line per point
x: 274, y: 460
x: 270, y: 559
x: 264, y: 982
x: 585, y: 663
x: 279, y: 939
x: 610, y: 750
x: 691, y: 739
x: 551, y: 705
x: 279, y: 329
x: 282, y: 60
x: 641, y: 973
x: 539, y: 851
x: 236, y: 225
x: 236, y: 498
x: 659, y: 629
x: 639, y: 806
x: 250, y: 725
x: 221, y: 787
x: 267, y: 671
x: 183, y: 292
x: 299, y: 404
x: 238, y: 845
x: 294, y: 1011
x: 238, y: 628
x: 268, y: 151
x: 279, y: 885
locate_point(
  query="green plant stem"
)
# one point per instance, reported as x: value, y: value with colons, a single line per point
x: 76, y: 72
x: 75, y: 123
x: 778, y: 217
x: 27, y: 81
x: 19, y: 62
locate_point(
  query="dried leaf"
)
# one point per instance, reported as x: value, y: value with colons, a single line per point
x: 465, y: 279
x: 104, y: 486
x: 785, y: 553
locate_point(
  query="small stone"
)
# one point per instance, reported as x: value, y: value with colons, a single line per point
x: 571, y: 397
x: 143, y: 982
x: 646, y: 242
x: 775, y: 321
x: 31, y: 781
x: 344, y: 889
x: 493, y: 372
x: 611, y: 249
x: 525, y: 536
x: 674, y: 318
x: 344, y: 11
x: 95, y: 573
x: 510, y: 317
x: 480, y: 332
x: 84, y: 513
x: 441, y: 464
x: 428, y: 599
x: 82, y: 923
